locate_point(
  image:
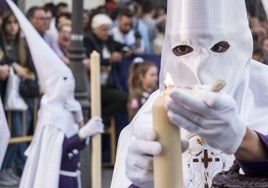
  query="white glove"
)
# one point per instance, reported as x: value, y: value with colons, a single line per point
x: 139, y: 160
x: 212, y: 116
x: 92, y: 127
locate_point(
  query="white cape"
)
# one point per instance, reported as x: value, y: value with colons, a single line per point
x: 251, y: 97
x: 42, y: 167
x: 4, y: 134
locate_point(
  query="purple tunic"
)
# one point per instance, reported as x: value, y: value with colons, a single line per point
x: 133, y: 186
x: 253, y: 168
x: 70, y: 160
x: 257, y: 168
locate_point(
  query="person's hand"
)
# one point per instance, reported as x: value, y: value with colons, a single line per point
x: 20, y: 71
x: 4, y: 72
x: 86, y: 62
x: 139, y: 160
x: 212, y: 116
x: 116, y: 57
x: 126, y: 51
x: 92, y: 127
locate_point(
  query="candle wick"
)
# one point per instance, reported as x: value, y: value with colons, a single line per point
x: 218, y: 85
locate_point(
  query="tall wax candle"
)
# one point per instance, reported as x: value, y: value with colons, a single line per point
x: 95, y: 111
x: 167, y: 165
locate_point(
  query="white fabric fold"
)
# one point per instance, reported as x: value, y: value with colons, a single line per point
x: 4, y: 133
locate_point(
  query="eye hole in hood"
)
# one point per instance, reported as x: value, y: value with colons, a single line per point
x: 182, y: 50
x: 220, y: 47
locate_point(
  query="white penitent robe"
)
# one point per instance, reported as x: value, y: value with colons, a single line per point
x: 42, y: 165
x: 4, y: 134
x: 201, y: 162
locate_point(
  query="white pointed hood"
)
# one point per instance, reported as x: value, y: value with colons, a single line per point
x: 55, y: 78
x: 200, y: 25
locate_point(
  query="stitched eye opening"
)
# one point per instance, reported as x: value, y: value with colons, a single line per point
x: 220, y: 47
x: 65, y: 78
x: 182, y: 50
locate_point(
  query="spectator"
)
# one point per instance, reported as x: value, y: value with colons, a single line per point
x: 111, y: 5
x: 159, y: 39
x: 113, y: 100
x: 48, y: 18
x: 257, y: 27
x: 143, y: 79
x: 38, y: 18
x: 148, y: 18
x: 62, y: 18
x: 50, y: 10
x: 64, y: 39
x: 4, y: 70
x: 111, y: 55
x: 264, y: 44
x: 160, y: 14
x: 139, y: 27
x: 62, y: 8
x: 123, y: 32
x: 86, y: 22
x: 258, y: 54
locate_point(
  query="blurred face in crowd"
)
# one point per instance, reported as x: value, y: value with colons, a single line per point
x: 48, y: 18
x: 85, y: 19
x: 125, y: 24
x: 265, y: 46
x: 64, y: 37
x: 62, y: 19
x: 11, y: 26
x: 102, y: 32
x: 63, y: 10
x: 258, y: 57
x: 149, y: 80
x: 39, y: 21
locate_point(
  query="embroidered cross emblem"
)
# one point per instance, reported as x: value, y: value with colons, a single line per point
x: 206, y: 159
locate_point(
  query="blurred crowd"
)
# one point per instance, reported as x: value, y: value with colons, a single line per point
x: 117, y: 30
x: 259, y: 27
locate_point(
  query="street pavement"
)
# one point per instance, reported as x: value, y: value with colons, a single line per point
x: 107, y: 173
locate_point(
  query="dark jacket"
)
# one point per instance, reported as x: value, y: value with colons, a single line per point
x: 91, y: 43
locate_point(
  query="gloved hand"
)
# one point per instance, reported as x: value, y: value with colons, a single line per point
x: 139, y: 160
x: 92, y: 127
x: 212, y: 116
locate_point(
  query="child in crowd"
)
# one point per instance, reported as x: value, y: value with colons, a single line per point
x: 142, y: 81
